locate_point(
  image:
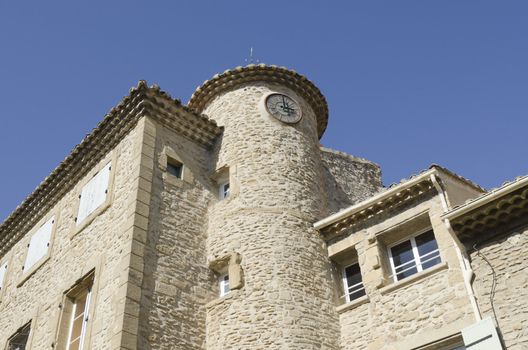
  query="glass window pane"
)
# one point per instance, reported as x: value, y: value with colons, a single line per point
x: 80, y: 304
x: 426, y: 245
x: 353, y: 275
x: 19, y: 341
x: 354, y: 287
x: 175, y: 169
x: 75, y: 345
x: 224, y: 285
x: 403, y: 259
x: 77, y: 328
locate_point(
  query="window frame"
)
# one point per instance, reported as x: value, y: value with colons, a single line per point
x: 173, y: 163
x: 85, y: 315
x: 416, y: 256
x: 222, y: 192
x: 86, y: 285
x: 345, y: 283
x: 18, y: 331
x: 223, y: 285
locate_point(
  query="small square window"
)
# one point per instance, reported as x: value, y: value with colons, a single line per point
x: 224, y: 190
x: 20, y: 339
x: 414, y: 255
x: 223, y: 284
x: 175, y: 168
x: 353, y: 283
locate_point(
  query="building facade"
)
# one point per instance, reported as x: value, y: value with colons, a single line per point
x: 224, y: 224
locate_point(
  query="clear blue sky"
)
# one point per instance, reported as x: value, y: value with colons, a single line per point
x: 409, y: 83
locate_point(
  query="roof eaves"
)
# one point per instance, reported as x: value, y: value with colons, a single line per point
x: 121, y: 119
x: 486, y: 198
x: 232, y: 78
x: 104, y: 137
x: 375, y: 200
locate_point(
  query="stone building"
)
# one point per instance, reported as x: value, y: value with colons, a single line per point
x: 223, y: 224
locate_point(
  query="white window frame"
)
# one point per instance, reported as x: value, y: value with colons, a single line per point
x: 347, y: 288
x: 223, y: 285
x: 416, y: 256
x: 85, y: 315
x: 223, y: 193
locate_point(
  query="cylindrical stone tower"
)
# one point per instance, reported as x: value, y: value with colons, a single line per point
x: 272, y: 161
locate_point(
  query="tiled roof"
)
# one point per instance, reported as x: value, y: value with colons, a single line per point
x: 142, y: 101
x: 445, y: 170
x: 490, y: 193
x: 269, y: 73
x: 498, y: 207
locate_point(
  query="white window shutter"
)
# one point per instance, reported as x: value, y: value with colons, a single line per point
x: 3, y: 269
x: 94, y: 193
x: 39, y: 244
x: 482, y: 336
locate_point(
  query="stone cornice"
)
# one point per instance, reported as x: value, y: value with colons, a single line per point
x: 369, y: 209
x: 272, y: 74
x: 391, y: 197
x: 142, y: 101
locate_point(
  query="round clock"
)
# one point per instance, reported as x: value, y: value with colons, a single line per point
x: 284, y: 108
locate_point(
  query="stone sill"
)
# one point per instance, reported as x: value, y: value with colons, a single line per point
x: 353, y: 304
x: 414, y: 278
x: 27, y: 274
x: 220, y: 300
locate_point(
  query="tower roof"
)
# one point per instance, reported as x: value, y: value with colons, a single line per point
x: 272, y: 74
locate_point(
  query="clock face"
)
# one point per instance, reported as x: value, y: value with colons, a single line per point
x: 284, y: 108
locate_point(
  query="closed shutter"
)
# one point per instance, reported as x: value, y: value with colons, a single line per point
x: 3, y: 270
x: 94, y: 193
x: 39, y: 244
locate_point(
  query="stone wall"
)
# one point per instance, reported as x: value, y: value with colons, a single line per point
x: 101, y: 245
x: 275, y: 170
x: 177, y: 282
x: 507, y: 255
x: 348, y: 179
x: 425, y: 307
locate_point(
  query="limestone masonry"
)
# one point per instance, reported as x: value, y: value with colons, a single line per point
x: 224, y: 224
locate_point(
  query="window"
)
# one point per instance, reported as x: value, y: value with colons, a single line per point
x: 3, y: 271
x: 352, y: 282
x: 94, y: 193
x: 75, y: 315
x: 79, y: 319
x: 19, y: 340
x: 224, y: 190
x: 414, y: 255
x: 223, y: 283
x: 39, y: 244
x: 174, y: 168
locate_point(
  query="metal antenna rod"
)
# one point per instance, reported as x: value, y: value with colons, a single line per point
x: 250, y: 60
